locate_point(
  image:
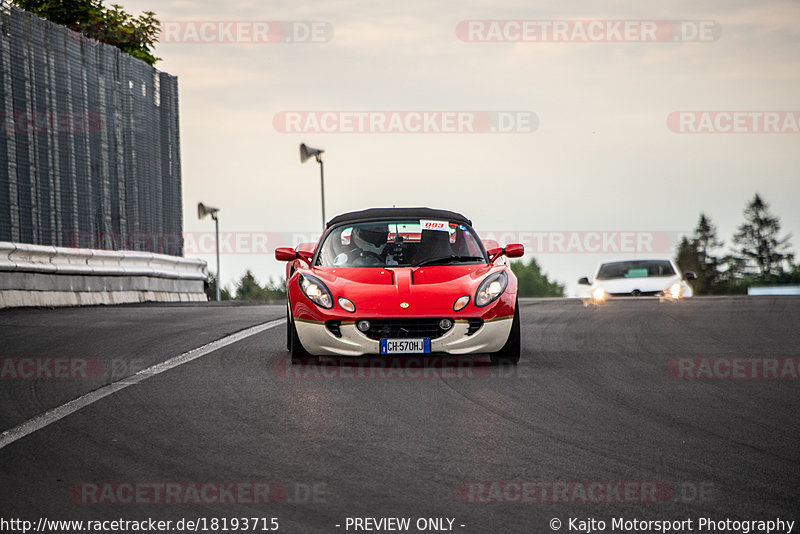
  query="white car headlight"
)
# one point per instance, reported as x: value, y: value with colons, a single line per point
x: 599, y: 294
x: 316, y: 291
x: 491, y: 288
x: 674, y: 291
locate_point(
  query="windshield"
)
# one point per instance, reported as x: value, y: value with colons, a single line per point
x: 635, y: 269
x: 401, y: 244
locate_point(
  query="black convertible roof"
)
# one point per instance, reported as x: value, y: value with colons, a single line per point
x: 383, y: 214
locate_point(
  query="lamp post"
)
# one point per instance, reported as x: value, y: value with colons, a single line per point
x: 202, y: 211
x: 306, y: 153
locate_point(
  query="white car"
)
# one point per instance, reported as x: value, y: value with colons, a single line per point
x: 639, y: 278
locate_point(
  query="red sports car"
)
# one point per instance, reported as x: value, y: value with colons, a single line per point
x: 401, y: 281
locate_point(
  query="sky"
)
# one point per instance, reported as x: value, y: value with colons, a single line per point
x: 617, y: 134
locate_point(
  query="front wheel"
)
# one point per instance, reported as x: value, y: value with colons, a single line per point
x: 509, y: 354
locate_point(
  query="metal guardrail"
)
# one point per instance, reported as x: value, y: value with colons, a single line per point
x: 20, y: 257
x: 773, y: 290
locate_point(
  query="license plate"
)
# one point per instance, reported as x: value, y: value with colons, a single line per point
x: 406, y: 346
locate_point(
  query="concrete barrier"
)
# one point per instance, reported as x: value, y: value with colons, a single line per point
x: 36, y: 275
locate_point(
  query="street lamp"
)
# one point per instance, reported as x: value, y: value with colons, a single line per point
x: 202, y: 211
x: 306, y: 153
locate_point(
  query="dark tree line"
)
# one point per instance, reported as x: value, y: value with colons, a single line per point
x: 532, y: 282
x: 248, y: 288
x: 759, y: 255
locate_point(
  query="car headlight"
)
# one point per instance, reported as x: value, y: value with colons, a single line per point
x: 491, y: 288
x: 599, y: 293
x: 316, y: 291
x: 346, y: 304
x: 461, y: 303
x: 674, y: 291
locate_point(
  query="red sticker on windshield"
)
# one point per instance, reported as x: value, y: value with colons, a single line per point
x: 434, y: 225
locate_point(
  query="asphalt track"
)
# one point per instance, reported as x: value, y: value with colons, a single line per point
x: 597, y: 404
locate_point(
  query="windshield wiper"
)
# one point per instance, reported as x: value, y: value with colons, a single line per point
x: 448, y: 259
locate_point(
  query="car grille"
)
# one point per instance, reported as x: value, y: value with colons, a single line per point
x: 637, y: 294
x: 334, y: 327
x: 404, y: 328
x: 474, y: 326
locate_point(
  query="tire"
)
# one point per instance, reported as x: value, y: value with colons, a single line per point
x: 300, y: 355
x: 509, y: 354
x: 288, y: 329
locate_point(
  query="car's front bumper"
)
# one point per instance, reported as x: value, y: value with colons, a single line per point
x: 318, y: 340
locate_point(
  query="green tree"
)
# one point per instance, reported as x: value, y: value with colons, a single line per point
x: 136, y: 36
x: 69, y: 13
x: 688, y: 259
x: 533, y: 282
x: 211, y: 289
x: 733, y: 280
x: 791, y: 277
x: 248, y: 288
x: 276, y: 290
x: 697, y: 255
x: 759, y: 250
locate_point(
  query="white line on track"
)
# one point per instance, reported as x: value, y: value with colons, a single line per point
x: 51, y: 416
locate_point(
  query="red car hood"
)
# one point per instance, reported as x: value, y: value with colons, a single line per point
x: 424, y: 288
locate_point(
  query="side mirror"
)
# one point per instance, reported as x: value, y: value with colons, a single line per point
x: 584, y: 281
x: 285, y: 254
x: 290, y: 254
x: 690, y: 275
x: 494, y: 253
x: 306, y: 256
x: 514, y: 250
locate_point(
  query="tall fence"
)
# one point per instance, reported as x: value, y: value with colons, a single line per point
x: 89, y: 142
